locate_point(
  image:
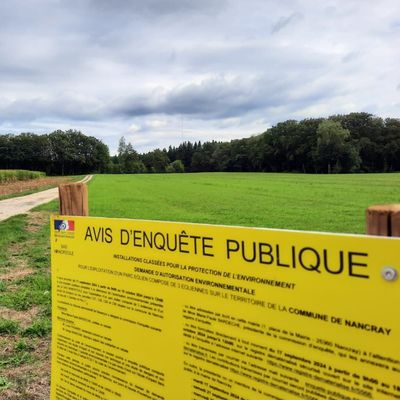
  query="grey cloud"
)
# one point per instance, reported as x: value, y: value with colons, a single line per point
x: 112, y: 62
x: 59, y: 108
x: 213, y: 98
x: 253, y: 58
x: 285, y: 21
x: 8, y: 71
x: 155, y: 7
x: 219, y: 98
x: 351, y: 56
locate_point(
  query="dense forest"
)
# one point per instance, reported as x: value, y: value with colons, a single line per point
x: 356, y: 142
x: 58, y: 153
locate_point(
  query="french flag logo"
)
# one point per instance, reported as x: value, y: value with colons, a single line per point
x: 64, y: 225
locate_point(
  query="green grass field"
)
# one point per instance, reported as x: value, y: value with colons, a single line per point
x: 333, y: 203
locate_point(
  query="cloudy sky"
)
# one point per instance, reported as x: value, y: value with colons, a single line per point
x: 163, y: 71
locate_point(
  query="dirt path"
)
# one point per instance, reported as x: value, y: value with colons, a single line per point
x: 21, y: 205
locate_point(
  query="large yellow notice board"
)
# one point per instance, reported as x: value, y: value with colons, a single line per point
x: 161, y: 310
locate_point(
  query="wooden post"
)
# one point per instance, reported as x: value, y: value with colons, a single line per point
x: 383, y: 220
x: 73, y: 199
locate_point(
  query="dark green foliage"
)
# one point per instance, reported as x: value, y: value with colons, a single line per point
x: 175, y: 167
x: 59, y: 153
x: 156, y: 161
x: 356, y: 142
x: 128, y: 160
x: 333, y: 152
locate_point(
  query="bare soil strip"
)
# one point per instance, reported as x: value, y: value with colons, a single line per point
x: 22, y: 186
x: 24, y: 318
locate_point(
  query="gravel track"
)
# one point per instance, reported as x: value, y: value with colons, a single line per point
x: 21, y: 205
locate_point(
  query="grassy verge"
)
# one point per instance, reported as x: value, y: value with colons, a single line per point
x: 25, y: 307
x: 332, y: 203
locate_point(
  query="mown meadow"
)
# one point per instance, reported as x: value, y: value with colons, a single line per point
x: 332, y: 203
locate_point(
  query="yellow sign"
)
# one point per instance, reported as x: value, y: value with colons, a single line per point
x: 162, y: 310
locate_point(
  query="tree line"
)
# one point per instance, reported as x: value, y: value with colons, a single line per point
x: 355, y: 142
x: 58, y: 153
x: 129, y: 161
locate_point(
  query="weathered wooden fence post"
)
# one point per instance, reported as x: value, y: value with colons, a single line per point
x: 74, y: 199
x: 383, y: 220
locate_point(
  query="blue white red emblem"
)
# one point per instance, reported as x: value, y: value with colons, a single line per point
x: 64, y: 225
